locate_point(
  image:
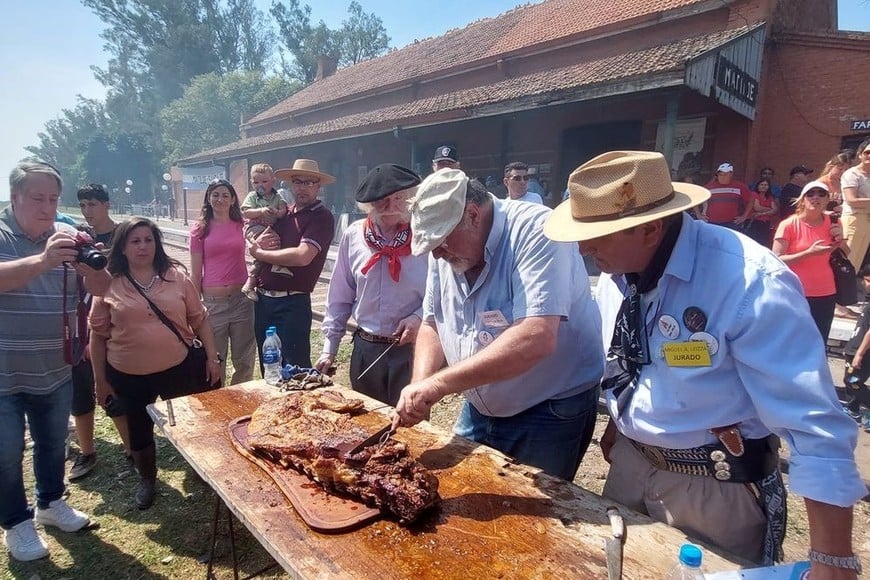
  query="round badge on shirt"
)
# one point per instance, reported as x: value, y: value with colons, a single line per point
x: 484, y: 337
x: 668, y: 326
x: 712, y: 342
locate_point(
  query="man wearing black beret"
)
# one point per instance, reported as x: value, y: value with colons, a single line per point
x: 377, y: 281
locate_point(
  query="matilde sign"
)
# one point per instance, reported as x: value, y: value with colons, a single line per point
x: 199, y: 177
x: 861, y: 125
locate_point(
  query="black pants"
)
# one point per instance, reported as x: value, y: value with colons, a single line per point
x: 822, y: 311
x: 388, y: 377
x: 291, y: 316
x: 136, y: 393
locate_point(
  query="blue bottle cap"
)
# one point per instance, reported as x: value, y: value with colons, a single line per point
x: 691, y: 555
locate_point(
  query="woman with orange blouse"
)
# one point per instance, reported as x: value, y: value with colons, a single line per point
x: 136, y: 357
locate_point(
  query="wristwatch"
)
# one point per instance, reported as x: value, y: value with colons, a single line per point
x: 844, y: 562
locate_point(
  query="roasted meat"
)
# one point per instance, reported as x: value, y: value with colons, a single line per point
x: 313, y: 432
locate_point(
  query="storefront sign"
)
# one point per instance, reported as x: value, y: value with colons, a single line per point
x: 199, y: 177
x: 736, y: 82
x: 861, y: 125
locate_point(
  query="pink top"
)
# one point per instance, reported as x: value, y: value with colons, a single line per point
x: 137, y: 342
x: 223, y: 254
x: 813, y: 271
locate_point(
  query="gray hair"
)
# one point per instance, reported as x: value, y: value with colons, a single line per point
x: 18, y: 176
x: 475, y: 192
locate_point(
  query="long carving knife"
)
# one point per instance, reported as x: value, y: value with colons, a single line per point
x: 613, y: 545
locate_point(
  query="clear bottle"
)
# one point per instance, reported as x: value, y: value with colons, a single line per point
x: 689, y: 566
x: 278, y: 338
x: 272, y: 357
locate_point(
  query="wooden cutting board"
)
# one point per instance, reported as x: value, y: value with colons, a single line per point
x: 321, y: 511
x: 497, y: 518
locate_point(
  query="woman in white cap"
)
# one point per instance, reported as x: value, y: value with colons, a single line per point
x: 379, y: 283
x: 805, y: 241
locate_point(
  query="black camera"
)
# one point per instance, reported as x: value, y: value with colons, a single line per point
x: 88, y: 254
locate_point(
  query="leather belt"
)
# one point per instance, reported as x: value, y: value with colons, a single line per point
x: 760, y: 458
x: 279, y: 293
x: 368, y: 337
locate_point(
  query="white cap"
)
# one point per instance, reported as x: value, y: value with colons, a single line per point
x: 725, y: 168
x: 437, y: 209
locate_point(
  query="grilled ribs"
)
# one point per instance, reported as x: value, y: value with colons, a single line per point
x: 313, y: 433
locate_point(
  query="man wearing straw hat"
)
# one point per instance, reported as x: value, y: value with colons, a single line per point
x: 525, y: 353
x: 704, y: 373
x: 299, y: 241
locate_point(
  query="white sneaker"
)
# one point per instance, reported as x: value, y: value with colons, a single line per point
x: 59, y: 514
x: 24, y: 543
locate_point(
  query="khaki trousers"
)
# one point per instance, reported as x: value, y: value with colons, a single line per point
x: 720, y: 513
x: 856, y: 230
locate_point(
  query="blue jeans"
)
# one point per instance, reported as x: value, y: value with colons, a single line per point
x: 552, y: 435
x: 48, y: 416
x: 291, y: 315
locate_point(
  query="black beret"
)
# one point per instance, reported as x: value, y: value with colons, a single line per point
x: 385, y: 179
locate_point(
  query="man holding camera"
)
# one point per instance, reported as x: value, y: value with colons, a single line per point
x: 37, y: 299
x: 94, y: 204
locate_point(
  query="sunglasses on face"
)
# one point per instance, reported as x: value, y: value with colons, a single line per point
x: 306, y: 182
x: 816, y: 193
x: 519, y: 177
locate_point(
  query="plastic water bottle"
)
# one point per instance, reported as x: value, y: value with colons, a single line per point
x: 278, y: 338
x: 689, y: 566
x: 272, y: 357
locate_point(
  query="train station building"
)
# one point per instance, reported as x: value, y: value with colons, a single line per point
x: 752, y: 82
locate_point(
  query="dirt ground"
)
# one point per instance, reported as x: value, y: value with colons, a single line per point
x: 593, y: 472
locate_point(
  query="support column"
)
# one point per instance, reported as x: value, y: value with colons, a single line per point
x: 671, y: 108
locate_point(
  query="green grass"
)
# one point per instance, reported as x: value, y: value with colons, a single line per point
x: 165, y: 541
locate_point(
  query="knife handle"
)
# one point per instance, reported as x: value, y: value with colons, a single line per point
x: 617, y: 524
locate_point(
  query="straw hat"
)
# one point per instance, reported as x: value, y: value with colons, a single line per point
x: 617, y: 191
x: 305, y: 168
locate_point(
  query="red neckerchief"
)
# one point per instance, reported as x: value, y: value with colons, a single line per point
x: 400, y: 246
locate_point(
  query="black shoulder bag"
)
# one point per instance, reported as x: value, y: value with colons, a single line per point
x: 193, y: 374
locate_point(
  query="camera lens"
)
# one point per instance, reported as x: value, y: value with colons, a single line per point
x: 92, y: 257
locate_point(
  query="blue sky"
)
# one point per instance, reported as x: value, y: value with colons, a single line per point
x: 48, y: 46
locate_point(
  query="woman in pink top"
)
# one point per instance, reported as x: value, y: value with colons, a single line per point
x: 135, y: 355
x: 218, y: 271
x: 804, y: 241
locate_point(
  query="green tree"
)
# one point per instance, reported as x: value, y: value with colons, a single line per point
x: 207, y: 114
x: 362, y: 36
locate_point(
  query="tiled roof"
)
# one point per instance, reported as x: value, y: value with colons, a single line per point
x: 529, y: 89
x: 487, y: 39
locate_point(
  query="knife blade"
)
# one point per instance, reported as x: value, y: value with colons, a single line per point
x: 613, y: 545
x: 380, y: 436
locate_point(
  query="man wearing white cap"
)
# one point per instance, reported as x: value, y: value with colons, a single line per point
x: 703, y: 372
x: 728, y: 199
x: 525, y: 353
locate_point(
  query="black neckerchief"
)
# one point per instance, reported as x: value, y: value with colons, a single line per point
x: 649, y: 278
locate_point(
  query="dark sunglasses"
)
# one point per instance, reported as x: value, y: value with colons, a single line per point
x: 816, y: 193
x: 519, y: 177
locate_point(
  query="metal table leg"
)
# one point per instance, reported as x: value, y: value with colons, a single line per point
x: 209, y: 574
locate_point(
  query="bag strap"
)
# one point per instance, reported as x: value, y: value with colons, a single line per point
x: 163, y: 318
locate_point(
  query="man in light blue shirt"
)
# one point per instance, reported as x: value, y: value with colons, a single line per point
x: 713, y: 356
x: 525, y: 353
x: 516, y: 180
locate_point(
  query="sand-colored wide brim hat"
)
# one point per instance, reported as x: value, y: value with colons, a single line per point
x: 305, y: 168
x: 617, y: 191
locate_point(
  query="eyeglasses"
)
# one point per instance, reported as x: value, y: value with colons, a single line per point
x: 306, y: 182
x: 816, y: 193
x: 519, y: 177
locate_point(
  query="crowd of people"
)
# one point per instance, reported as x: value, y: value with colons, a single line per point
x: 708, y: 345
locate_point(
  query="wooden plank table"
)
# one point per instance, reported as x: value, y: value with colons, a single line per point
x: 497, y: 519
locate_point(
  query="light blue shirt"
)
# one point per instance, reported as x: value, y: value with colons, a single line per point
x: 769, y: 374
x: 375, y: 300
x: 525, y: 275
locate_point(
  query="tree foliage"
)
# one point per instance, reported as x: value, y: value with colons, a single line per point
x: 208, y: 113
x: 361, y: 36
